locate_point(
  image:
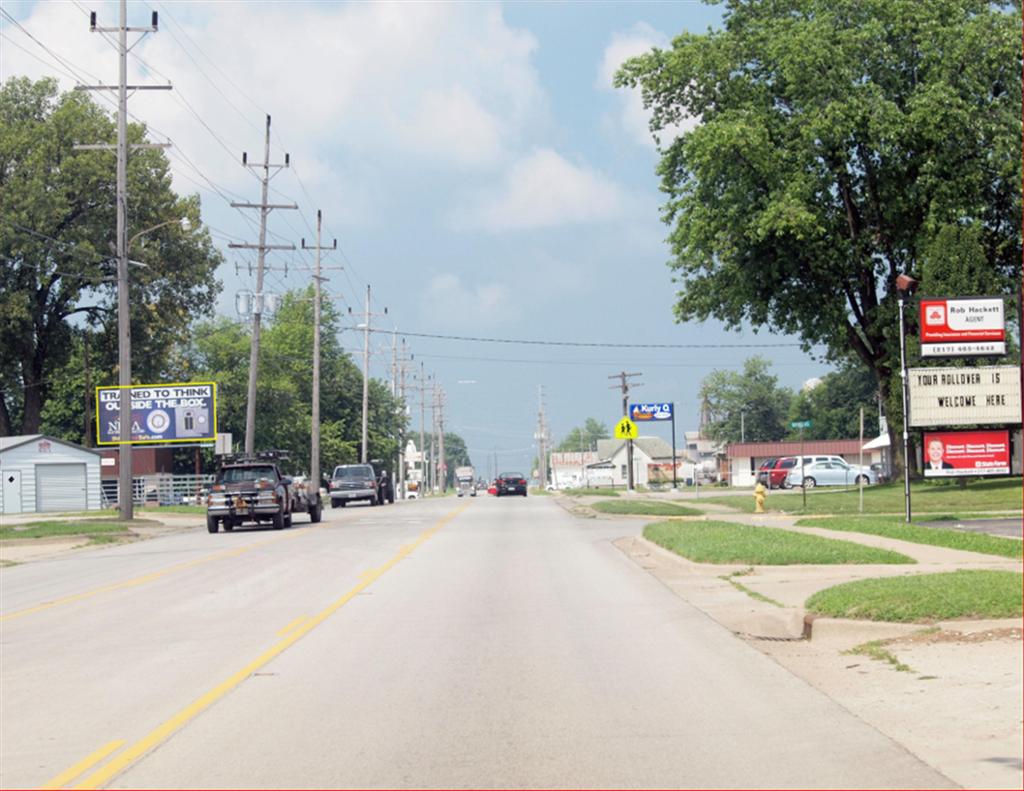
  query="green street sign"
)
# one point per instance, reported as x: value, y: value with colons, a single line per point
x: 800, y: 424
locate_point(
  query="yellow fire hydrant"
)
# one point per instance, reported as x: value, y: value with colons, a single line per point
x: 759, y: 493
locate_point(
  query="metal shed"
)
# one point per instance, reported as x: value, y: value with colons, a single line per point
x: 40, y: 474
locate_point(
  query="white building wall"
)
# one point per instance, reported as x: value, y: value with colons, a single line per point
x: 24, y: 458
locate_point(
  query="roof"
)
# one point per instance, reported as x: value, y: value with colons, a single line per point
x: 794, y: 448
x: 6, y: 443
x: 881, y: 441
x: 653, y: 447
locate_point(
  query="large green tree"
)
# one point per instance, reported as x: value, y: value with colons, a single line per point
x: 838, y: 143
x: 747, y: 404
x: 583, y: 437
x: 57, y: 227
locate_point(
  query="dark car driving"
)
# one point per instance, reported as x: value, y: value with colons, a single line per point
x: 511, y: 483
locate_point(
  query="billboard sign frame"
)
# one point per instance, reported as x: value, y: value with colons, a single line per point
x: 161, y: 413
x: 962, y: 326
x: 963, y: 453
x: 652, y: 412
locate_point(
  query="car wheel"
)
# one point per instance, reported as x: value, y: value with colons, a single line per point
x: 862, y: 479
x: 288, y: 519
x: 315, y: 512
x: 335, y: 503
x: 278, y: 521
x: 229, y: 524
x: 211, y: 523
x: 810, y: 483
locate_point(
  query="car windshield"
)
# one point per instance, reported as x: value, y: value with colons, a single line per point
x: 787, y: 463
x: 240, y: 474
x: 357, y: 473
x: 507, y: 475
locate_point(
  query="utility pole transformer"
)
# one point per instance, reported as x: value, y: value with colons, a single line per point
x: 126, y: 503
x: 314, y: 449
x: 261, y: 257
x: 624, y: 386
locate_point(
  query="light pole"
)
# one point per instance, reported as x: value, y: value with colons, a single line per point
x: 126, y: 504
x: 905, y: 287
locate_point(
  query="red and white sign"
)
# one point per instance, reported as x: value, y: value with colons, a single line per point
x: 962, y: 326
x: 953, y: 453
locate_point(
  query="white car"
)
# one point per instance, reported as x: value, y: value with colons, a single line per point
x: 830, y: 473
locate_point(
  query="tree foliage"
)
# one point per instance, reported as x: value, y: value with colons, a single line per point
x: 833, y: 405
x: 583, y: 437
x: 748, y: 404
x: 57, y: 227
x: 840, y: 143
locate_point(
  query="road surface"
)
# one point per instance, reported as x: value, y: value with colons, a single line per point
x: 476, y: 643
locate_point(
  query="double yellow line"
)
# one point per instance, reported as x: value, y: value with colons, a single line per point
x: 294, y: 632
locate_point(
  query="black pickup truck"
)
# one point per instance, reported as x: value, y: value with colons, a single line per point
x: 252, y: 489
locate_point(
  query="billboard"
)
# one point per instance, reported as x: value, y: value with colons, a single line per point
x: 949, y: 454
x: 181, y: 412
x: 658, y: 472
x: 983, y: 395
x: 962, y: 326
x: 646, y: 412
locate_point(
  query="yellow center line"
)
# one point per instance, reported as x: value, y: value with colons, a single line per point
x: 166, y: 729
x: 151, y: 577
x: 89, y: 762
x: 292, y: 625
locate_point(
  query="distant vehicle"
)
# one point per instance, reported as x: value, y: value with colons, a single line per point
x: 351, y: 483
x: 492, y: 488
x: 510, y: 483
x: 762, y: 471
x: 252, y: 488
x: 830, y: 473
x: 778, y: 472
x: 464, y: 482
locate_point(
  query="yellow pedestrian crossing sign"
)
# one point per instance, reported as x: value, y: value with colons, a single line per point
x: 625, y: 429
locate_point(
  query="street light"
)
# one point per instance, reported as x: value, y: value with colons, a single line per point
x: 905, y: 287
x: 126, y: 504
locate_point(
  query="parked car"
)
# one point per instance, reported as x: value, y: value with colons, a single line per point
x: 511, y: 483
x: 776, y: 474
x: 830, y: 473
x: 762, y: 471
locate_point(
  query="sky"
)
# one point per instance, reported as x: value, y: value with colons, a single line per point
x: 476, y: 166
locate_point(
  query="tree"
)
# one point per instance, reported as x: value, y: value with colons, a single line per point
x: 583, y: 437
x: 833, y: 406
x: 839, y: 141
x: 745, y: 404
x: 57, y: 224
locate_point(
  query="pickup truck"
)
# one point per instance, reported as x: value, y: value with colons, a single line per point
x: 254, y: 490
x: 353, y: 482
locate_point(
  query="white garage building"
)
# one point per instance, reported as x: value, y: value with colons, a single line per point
x: 40, y: 473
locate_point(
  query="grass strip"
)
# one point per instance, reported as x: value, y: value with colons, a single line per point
x: 875, y: 649
x: 591, y: 492
x: 892, y: 527
x: 59, y: 528
x: 644, y: 508
x: 941, y: 497
x: 725, y: 542
x: 730, y: 578
x: 924, y: 598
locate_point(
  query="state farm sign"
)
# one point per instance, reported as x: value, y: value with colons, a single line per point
x: 962, y: 326
x: 983, y: 395
x: 952, y: 453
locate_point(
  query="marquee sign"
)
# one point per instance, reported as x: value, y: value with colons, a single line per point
x: 962, y: 326
x: 984, y: 395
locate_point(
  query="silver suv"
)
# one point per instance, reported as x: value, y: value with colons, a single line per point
x: 351, y: 482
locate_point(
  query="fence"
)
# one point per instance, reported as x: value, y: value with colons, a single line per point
x: 161, y: 489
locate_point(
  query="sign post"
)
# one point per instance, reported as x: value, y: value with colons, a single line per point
x: 664, y: 410
x: 801, y: 424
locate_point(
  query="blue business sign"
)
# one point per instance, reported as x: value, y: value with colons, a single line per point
x: 183, y: 412
x: 646, y: 412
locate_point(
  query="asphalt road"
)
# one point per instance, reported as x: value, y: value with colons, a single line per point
x: 440, y: 643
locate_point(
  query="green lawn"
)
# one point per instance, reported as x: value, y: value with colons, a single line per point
x: 725, y: 542
x: 591, y: 492
x: 893, y: 527
x: 644, y: 508
x: 943, y: 497
x: 61, y: 528
x: 924, y: 598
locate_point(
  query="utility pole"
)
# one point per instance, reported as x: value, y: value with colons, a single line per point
x: 261, y: 257
x: 366, y: 372
x: 314, y: 447
x: 442, y: 463
x: 624, y: 386
x: 542, y: 463
x: 126, y: 503
x: 402, y: 360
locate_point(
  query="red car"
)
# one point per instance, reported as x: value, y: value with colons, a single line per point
x: 773, y: 472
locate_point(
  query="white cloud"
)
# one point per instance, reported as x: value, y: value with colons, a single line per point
x: 633, y: 118
x: 451, y: 303
x: 543, y: 190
